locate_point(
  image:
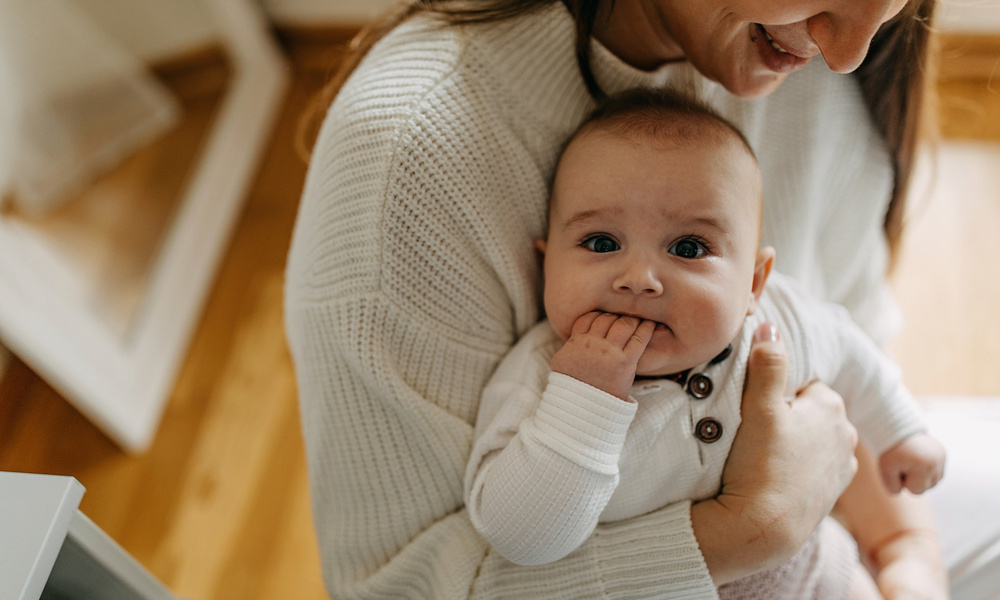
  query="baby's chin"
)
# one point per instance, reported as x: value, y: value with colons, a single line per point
x: 670, y: 357
x: 651, y: 366
x: 662, y: 372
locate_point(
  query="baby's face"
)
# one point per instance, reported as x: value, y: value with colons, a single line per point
x: 665, y: 234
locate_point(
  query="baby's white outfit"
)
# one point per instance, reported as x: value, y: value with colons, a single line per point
x: 558, y: 455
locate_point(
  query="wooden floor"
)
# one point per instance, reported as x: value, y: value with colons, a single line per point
x: 218, y: 508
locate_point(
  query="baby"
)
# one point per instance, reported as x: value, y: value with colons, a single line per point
x: 627, y: 398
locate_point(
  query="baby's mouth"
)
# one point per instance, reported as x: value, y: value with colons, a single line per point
x: 659, y: 325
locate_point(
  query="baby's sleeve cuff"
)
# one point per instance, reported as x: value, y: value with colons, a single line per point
x: 582, y: 423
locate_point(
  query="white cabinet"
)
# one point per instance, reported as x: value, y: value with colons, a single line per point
x: 49, y: 549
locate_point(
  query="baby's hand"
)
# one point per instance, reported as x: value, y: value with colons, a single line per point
x: 603, y: 350
x: 916, y: 463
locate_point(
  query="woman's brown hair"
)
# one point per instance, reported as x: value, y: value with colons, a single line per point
x: 893, y: 77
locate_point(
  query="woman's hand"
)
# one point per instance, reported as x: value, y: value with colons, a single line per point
x: 788, y: 465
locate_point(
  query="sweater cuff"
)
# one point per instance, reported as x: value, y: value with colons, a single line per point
x: 582, y: 423
x: 651, y: 556
x: 655, y: 555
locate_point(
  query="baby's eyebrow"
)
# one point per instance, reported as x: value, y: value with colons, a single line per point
x: 709, y: 221
x: 590, y: 215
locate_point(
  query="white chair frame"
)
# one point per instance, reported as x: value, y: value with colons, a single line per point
x: 122, y: 385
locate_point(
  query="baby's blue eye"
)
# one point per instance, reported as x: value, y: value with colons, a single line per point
x: 687, y: 248
x: 601, y: 243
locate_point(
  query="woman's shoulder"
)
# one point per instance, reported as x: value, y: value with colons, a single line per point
x: 415, y: 56
x: 427, y: 74
x: 396, y: 75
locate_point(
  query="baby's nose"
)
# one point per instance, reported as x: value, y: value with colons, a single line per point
x: 639, y: 280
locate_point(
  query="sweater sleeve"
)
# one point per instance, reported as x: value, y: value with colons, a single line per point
x: 386, y: 467
x: 410, y: 275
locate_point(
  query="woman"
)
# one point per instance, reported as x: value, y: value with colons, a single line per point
x: 412, y: 270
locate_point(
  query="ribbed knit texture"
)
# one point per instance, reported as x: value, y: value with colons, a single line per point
x: 412, y: 272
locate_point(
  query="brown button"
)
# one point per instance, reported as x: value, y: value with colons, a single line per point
x: 700, y: 386
x: 708, y: 430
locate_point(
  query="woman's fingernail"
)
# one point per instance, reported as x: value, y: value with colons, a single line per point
x: 767, y: 332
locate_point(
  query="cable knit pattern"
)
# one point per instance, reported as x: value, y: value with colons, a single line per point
x: 412, y: 272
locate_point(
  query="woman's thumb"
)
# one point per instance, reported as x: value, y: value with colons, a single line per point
x: 767, y: 369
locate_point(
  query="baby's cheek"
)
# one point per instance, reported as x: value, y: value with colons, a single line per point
x: 563, y: 330
x: 717, y: 322
x: 559, y: 317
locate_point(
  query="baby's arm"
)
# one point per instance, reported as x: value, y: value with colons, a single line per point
x: 887, y: 416
x: 895, y: 535
x: 545, y: 459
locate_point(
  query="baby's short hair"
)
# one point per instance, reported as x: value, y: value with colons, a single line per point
x: 662, y: 116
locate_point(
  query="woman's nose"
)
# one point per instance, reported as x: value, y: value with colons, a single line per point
x: 844, y: 36
x: 639, y: 279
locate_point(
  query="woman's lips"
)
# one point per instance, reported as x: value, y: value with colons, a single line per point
x: 785, y: 60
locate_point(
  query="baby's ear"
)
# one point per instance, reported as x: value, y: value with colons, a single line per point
x: 761, y: 271
x: 540, y: 246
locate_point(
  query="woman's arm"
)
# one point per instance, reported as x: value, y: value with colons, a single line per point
x: 387, y: 461
x: 386, y: 469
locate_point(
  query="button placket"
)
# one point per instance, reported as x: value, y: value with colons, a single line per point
x: 708, y: 429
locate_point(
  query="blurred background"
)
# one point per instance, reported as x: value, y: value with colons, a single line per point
x: 176, y: 178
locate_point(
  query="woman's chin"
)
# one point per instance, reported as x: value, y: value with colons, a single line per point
x: 754, y: 85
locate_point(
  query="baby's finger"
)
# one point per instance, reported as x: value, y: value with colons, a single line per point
x: 583, y: 323
x: 639, y: 339
x: 894, y: 479
x: 915, y: 483
x: 621, y: 330
x: 919, y: 481
x: 602, y: 324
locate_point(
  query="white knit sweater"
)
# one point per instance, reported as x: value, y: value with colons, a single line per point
x: 553, y: 455
x: 412, y: 272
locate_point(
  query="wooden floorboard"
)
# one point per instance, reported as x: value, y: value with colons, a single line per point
x: 218, y: 508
